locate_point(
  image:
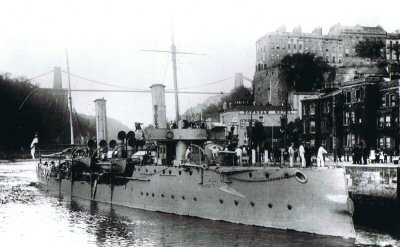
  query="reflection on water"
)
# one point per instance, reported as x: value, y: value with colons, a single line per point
x: 48, y: 220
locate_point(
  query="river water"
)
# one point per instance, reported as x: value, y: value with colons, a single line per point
x: 31, y: 217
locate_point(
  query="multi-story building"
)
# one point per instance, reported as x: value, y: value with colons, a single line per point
x: 351, y: 35
x: 336, y: 47
x: 360, y: 104
x: 364, y: 110
x: 387, y: 117
x: 272, y: 47
x: 392, y: 47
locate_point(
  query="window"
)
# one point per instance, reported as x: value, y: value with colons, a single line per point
x: 288, y: 46
x: 387, y: 121
x: 348, y: 96
x: 346, y: 118
x: 294, y: 46
x: 323, y: 125
x: 383, y: 101
x: 358, y: 95
x: 387, y: 142
x: 326, y: 107
x: 350, y: 140
x: 387, y: 100
x: 300, y: 46
x: 353, y: 117
x: 312, y: 127
x: 312, y: 109
x: 393, y: 100
x: 381, y: 122
x: 381, y: 142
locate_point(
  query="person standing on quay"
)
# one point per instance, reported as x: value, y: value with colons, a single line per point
x: 302, y: 151
x: 291, y: 154
x: 320, y: 156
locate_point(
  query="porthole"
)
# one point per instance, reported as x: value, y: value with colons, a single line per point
x: 236, y: 202
x: 270, y: 205
x: 289, y: 207
x: 286, y: 175
x: 141, y: 193
x: 252, y: 204
x: 172, y: 196
x: 266, y: 175
x: 162, y: 195
x: 152, y: 194
x: 183, y: 198
x: 194, y: 198
x: 221, y: 201
x: 169, y: 172
x: 190, y: 173
x: 147, y: 193
x: 180, y: 172
x: 250, y: 175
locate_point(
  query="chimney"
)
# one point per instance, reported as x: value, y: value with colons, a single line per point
x: 57, y: 81
x: 159, y: 109
x: 101, y: 120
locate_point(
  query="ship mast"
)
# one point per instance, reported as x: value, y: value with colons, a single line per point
x: 173, y: 52
x: 70, y: 101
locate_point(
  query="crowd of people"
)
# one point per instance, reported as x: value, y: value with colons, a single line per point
x: 364, y: 155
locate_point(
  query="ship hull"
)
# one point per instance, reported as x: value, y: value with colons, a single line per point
x: 261, y: 196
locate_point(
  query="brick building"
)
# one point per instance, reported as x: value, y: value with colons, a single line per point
x: 388, y: 115
x: 364, y: 110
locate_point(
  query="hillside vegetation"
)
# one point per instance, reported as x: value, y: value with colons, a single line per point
x: 26, y: 109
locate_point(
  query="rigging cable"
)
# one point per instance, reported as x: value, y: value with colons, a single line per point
x: 165, y: 72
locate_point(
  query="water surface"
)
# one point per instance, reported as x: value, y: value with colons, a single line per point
x: 30, y: 216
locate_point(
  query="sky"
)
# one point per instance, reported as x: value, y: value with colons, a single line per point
x: 104, y: 39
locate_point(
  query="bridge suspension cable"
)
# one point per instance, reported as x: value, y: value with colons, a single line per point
x: 33, y: 78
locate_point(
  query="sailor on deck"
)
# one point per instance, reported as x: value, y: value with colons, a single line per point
x: 35, y: 142
x: 215, y: 152
x: 187, y: 154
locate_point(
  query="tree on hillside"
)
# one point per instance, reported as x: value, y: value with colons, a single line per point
x: 26, y: 110
x: 239, y: 94
x: 372, y: 49
x: 304, y: 72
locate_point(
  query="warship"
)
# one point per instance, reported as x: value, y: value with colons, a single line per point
x: 153, y: 171
x: 186, y: 171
